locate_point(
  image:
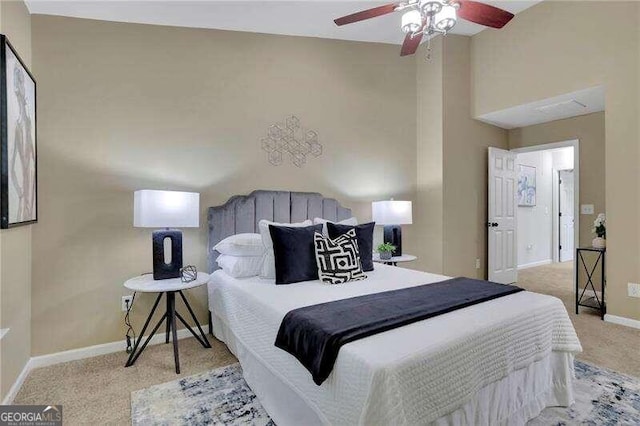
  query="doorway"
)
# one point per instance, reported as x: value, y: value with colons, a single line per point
x: 566, y: 215
x: 533, y: 203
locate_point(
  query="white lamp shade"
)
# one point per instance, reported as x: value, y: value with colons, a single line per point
x: 446, y: 18
x: 392, y: 212
x: 166, y: 209
x: 411, y: 21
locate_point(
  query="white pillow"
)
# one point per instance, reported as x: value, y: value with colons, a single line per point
x: 241, y: 245
x: 352, y: 221
x: 240, y: 266
x: 269, y: 265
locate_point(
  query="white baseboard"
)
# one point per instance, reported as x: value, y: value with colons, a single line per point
x: 622, y: 321
x: 534, y: 264
x: 80, y: 353
x: 8, y: 399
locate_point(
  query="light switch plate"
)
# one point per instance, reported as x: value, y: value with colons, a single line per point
x: 586, y: 209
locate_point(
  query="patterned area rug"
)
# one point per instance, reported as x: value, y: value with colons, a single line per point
x: 222, y: 396
x: 603, y: 398
x: 219, y: 396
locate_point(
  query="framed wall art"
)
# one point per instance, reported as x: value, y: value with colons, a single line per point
x: 18, y: 155
x: 526, y: 186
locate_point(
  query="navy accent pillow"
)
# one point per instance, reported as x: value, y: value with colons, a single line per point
x: 364, y: 235
x: 294, y: 252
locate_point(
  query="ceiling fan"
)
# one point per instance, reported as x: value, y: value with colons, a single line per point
x: 429, y: 17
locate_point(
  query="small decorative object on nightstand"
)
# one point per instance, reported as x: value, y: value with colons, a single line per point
x: 600, y: 229
x: 169, y: 287
x: 189, y: 273
x: 386, y: 251
x: 394, y: 260
x: 392, y: 214
x: 166, y: 209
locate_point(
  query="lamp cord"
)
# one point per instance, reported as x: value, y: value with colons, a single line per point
x: 131, y: 334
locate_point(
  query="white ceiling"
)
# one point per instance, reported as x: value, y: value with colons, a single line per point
x: 312, y: 18
x: 551, y: 109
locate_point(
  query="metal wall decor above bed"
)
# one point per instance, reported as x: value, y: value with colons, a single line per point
x: 242, y: 213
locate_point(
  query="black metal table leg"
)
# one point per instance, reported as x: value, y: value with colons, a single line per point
x: 166, y: 340
x: 171, y: 295
x: 198, y: 338
x: 146, y: 342
x: 204, y: 340
x: 168, y: 329
x: 132, y: 355
x: 171, y: 316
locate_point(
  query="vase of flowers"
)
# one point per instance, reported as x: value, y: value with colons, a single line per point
x: 600, y: 229
x: 386, y: 251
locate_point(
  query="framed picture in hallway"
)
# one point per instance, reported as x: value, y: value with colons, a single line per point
x: 526, y: 186
x: 18, y: 186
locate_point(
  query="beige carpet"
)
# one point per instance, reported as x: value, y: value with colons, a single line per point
x: 97, y: 390
x: 608, y: 345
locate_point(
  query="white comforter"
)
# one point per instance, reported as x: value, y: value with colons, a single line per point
x: 410, y: 375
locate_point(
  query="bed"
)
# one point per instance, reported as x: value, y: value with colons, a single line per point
x: 498, y: 362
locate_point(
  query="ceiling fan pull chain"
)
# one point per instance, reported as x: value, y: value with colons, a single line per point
x: 429, y: 49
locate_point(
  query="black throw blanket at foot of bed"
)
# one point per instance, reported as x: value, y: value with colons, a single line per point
x: 314, y: 334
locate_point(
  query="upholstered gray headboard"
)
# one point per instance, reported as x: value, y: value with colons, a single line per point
x: 243, y: 212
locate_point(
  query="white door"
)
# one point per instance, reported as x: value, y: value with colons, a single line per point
x: 502, y: 226
x: 566, y: 215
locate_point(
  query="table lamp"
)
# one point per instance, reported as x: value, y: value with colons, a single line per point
x: 392, y: 214
x: 166, y: 209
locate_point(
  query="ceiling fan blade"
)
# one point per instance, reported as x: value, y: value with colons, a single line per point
x: 410, y: 44
x: 483, y: 14
x: 366, y: 14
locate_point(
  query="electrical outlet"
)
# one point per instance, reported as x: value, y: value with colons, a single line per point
x: 633, y: 289
x: 126, y: 301
x: 477, y: 263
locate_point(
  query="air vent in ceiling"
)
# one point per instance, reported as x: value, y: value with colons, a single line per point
x: 565, y: 108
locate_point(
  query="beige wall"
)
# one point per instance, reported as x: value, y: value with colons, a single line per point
x: 452, y: 162
x: 528, y: 61
x: 466, y: 143
x: 590, y: 131
x: 15, y: 244
x: 125, y: 107
x: 429, y: 215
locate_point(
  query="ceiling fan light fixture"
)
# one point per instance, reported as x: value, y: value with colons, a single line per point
x: 411, y: 21
x: 446, y: 19
x: 423, y: 19
x: 430, y: 7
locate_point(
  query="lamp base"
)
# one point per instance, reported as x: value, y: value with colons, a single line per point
x: 393, y: 235
x: 161, y: 269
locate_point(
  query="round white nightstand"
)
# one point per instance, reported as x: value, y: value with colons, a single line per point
x: 146, y: 284
x: 395, y: 259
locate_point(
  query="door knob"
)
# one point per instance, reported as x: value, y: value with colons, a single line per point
x: 492, y: 224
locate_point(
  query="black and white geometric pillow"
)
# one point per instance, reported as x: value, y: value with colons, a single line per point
x: 339, y: 259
